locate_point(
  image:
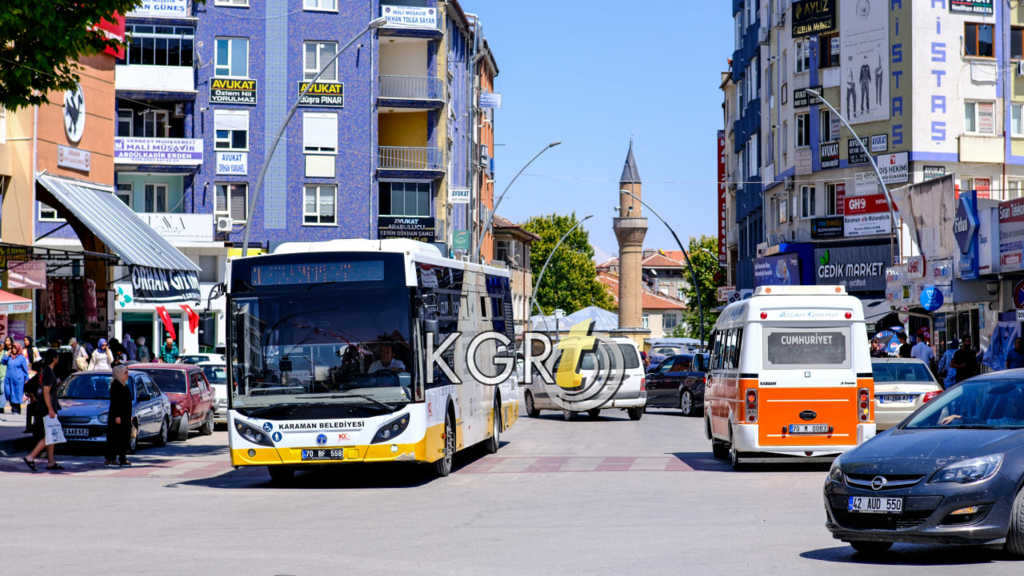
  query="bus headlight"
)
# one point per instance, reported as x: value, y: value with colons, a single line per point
x: 391, y: 429
x: 252, y: 434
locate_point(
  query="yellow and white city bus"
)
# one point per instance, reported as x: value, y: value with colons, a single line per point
x: 330, y: 345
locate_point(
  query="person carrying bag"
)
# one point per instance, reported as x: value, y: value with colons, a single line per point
x: 46, y: 428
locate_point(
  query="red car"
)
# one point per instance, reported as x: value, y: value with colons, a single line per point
x: 190, y: 394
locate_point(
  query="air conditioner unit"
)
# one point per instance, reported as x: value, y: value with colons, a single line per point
x: 1020, y: 68
x: 179, y: 110
x: 224, y: 224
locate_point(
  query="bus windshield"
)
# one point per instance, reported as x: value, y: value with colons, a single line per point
x: 330, y: 343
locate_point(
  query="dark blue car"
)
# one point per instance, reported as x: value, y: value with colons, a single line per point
x: 950, y: 473
x: 85, y: 398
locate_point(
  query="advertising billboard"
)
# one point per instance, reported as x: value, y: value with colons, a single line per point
x: 864, y: 66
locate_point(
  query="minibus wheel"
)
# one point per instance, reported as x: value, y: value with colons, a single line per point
x: 720, y: 449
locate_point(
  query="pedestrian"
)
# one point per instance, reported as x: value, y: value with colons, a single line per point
x: 646, y: 360
x: 117, y: 350
x: 965, y: 361
x: 923, y: 351
x: 169, y: 350
x: 119, y: 416
x: 79, y: 357
x: 5, y: 352
x: 30, y: 351
x: 143, y: 350
x: 904, y: 346
x: 876, y: 349
x: 46, y: 406
x: 32, y: 390
x: 101, y: 358
x: 1015, y: 358
x: 946, y: 371
x: 14, y: 380
x: 130, y: 347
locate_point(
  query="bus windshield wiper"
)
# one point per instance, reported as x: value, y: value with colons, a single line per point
x: 380, y: 404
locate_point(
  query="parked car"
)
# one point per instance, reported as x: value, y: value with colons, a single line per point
x: 678, y: 382
x: 951, y: 473
x: 190, y: 394
x: 217, y: 376
x: 902, y: 385
x: 200, y: 358
x: 85, y: 399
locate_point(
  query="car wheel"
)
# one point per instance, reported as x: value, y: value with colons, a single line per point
x: 494, y: 442
x: 1015, y: 535
x: 183, y: 425
x: 161, y: 438
x: 133, y: 438
x: 635, y: 413
x: 531, y: 408
x: 871, y: 548
x: 594, y: 413
x: 207, y: 428
x: 443, y: 467
x: 686, y: 403
x: 281, y: 475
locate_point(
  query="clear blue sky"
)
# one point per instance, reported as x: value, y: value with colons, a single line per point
x: 592, y: 74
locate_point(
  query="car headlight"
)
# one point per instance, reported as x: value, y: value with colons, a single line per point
x: 252, y: 434
x: 391, y: 429
x: 102, y: 418
x: 967, y: 471
x: 835, y: 473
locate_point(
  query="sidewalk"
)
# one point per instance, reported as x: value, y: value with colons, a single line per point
x: 12, y: 434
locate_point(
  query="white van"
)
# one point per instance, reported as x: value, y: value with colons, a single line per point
x: 630, y: 396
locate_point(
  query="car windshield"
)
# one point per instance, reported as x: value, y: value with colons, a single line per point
x: 985, y: 403
x: 169, y: 381
x: 901, y: 372
x: 216, y: 374
x: 192, y: 358
x: 86, y: 387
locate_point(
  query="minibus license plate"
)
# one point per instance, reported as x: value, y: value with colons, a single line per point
x: 808, y: 428
x: 875, y: 505
x: 324, y: 454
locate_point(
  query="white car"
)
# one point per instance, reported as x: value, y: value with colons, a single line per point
x: 217, y: 375
x: 630, y: 396
x: 902, y: 385
x: 200, y: 358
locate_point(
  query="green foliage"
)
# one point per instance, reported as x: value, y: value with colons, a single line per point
x: 41, y: 41
x: 570, y: 282
x: 704, y: 257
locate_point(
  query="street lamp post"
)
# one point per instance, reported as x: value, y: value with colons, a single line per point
x: 686, y: 255
x: 540, y: 278
x: 257, y: 188
x: 490, y: 218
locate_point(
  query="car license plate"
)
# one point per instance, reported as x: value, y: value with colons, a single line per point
x: 896, y: 398
x: 808, y: 428
x: 875, y: 505
x: 76, y: 432
x: 324, y: 454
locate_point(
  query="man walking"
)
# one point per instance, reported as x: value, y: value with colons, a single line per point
x: 169, y: 350
x: 905, y: 349
x: 79, y: 356
x: 47, y: 406
x: 965, y: 361
x: 119, y: 418
x: 923, y: 351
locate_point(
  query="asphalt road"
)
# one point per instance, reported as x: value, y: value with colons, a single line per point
x: 581, y: 497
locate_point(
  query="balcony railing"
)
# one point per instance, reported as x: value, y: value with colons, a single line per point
x: 409, y: 158
x: 411, y: 88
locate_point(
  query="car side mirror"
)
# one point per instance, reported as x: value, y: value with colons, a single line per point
x: 144, y: 397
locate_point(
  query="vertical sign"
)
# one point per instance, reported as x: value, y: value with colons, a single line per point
x: 723, y: 259
x: 864, y: 68
x: 840, y: 198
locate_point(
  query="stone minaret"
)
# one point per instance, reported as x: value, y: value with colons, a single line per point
x: 630, y: 229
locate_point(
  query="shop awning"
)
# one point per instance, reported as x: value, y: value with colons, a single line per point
x: 876, y: 309
x: 14, y: 304
x: 160, y: 272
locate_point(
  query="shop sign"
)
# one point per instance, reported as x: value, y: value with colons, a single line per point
x: 727, y: 294
x: 409, y: 16
x: 931, y: 298
x: 30, y: 275
x: 74, y: 114
x: 894, y: 168
x: 983, y: 7
x: 865, y: 183
x: 20, y: 306
x: 458, y: 195
x: 828, y: 155
x: 858, y: 268
x: 74, y: 158
x: 965, y: 230
x: 182, y: 227
x: 233, y: 163
x: 490, y: 100
x: 161, y: 9
x: 158, y: 151
x: 232, y: 91
x: 324, y: 94
x: 781, y: 270
x: 802, y: 99
x: 867, y: 216
x: 824, y: 228
x: 813, y: 17
x: 1011, y: 235
x: 931, y: 172
x: 879, y: 143
x: 460, y: 241
x: 410, y: 227
x: 915, y: 267
x: 159, y: 285
x: 855, y: 152
x: 723, y: 211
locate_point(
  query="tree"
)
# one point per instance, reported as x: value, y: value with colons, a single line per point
x: 704, y: 257
x: 41, y: 42
x: 570, y: 282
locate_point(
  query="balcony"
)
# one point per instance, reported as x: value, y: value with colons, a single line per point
x: 411, y: 91
x: 176, y: 152
x: 410, y: 159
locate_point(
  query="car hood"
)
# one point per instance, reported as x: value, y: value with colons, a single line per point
x: 71, y: 407
x: 899, y: 451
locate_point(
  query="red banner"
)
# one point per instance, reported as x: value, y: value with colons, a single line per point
x: 872, y: 204
x: 193, y: 318
x: 723, y: 212
x: 113, y: 30
x: 166, y: 319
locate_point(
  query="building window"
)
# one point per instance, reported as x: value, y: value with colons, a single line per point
x: 232, y: 200
x: 668, y: 321
x: 320, y: 132
x: 231, y: 128
x: 156, y: 198
x: 322, y: 5
x: 828, y: 50
x: 978, y: 40
x: 807, y: 198
x: 156, y: 124
x: 1014, y: 189
x: 983, y: 186
x: 159, y: 45
x: 501, y: 251
x: 979, y: 118
x: 315, y: 55
x: 124, y: 122
x: 825, y: 127
x: 1016, y: 43
x: 124, y: 193
x: 803, y: 130
x: 831, y: 199
x: 233, y: 3
x: 784, y: 147
x: 783, y: 211
x: 319, y: 205
x: 405, y: 199
x: 48, y: 214
x: 645, y: 321
x: 803, y: 56
x: 1017, y: 120
x: 752, y: 156
x: 232, y: 58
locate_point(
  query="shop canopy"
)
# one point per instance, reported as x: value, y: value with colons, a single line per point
x: 159, y: 271
x: 14, y: 304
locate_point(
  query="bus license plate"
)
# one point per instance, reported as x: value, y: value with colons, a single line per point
x: 875, y: 505
x: 808, y: 428
x: 324, y: 454
x: 76, y: 432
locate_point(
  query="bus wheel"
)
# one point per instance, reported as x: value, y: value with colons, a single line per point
x: 494, y: 442
x: 281, y: 475
x: 531, y: 408
x: 720, y: 449
x: 443, y: 467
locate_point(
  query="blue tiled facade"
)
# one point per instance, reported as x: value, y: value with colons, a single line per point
x: 749, y: 213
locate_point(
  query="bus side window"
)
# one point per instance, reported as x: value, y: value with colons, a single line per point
x: 715, y: 351
x: 738, y: 349
x: 730, y: 355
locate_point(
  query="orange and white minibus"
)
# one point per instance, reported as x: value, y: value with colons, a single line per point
x: 790, y: 375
